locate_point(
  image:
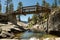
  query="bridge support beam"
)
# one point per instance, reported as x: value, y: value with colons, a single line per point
x: 18, y: 18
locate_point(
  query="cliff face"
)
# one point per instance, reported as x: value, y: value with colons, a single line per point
x: 54, y: 20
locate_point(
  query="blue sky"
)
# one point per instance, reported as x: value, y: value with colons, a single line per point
x: 25, y: 3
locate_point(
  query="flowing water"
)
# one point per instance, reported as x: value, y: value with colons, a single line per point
x: 31, y: 35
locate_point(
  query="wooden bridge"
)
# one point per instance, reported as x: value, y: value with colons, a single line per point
x: 35, y: 9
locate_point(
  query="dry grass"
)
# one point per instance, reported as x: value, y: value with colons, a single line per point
x: 48, y: 36
x: 17, y: 35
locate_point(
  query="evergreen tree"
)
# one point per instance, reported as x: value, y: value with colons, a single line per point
x: 54, y: 5
x: 28, y: 19
x: 43, y: 2
x: 39, y: 19
x: 7, y: 5
x: 11, y: 7
x: 37, y: 6
x: 55, y: 2
x: 47, y: 5
x: 37, y: 3
x: 19, y: 7
x: 34, y: 19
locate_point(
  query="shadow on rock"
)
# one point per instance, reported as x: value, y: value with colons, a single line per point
x: 56, y: 33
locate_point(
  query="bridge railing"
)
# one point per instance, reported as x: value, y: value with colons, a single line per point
x: 32, y: 9
x: 28, y: 9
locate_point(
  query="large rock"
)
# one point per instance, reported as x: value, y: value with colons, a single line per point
x: 5, y: 34
x: 37, y: 28
x: 7, y: 27
x: 17, y: 29
x: 24, y: 25
x: 54, y: 21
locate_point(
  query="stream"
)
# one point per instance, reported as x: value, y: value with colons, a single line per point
x: 31, y: 35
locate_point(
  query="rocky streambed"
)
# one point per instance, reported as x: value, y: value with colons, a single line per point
x: 10, y: 30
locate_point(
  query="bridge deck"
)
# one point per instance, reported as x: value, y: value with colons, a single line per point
x: 31, y: 10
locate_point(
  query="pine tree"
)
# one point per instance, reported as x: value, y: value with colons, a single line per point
x: 37, y: 6
x: 55, y: 2
x: 43, y: 2
x: 7, y: 5
x: 34, y: 19
x: 28, y: 19
x: 11, y: 7
x: 37, y: 3
x: 54, y: 5
x: 19, y: 7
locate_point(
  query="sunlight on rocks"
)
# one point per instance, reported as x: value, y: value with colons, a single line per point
x: 33, y: 38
